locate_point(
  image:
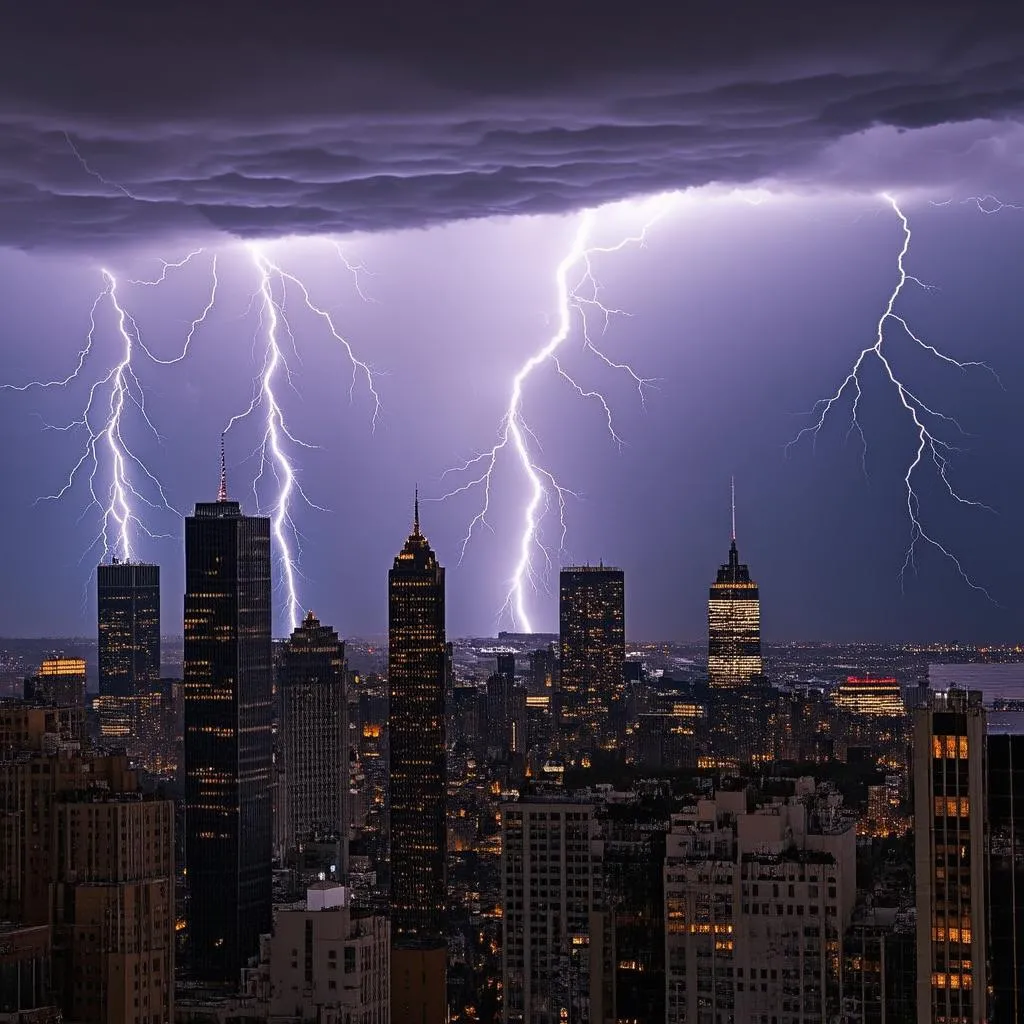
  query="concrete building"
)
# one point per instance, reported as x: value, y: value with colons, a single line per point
x: 949, y: 853
x: 89, y: 861
x: 757, y: 897
x: 329, y: 963
x: 552, y: 886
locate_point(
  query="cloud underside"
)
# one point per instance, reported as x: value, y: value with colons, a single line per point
x: 320, y: 147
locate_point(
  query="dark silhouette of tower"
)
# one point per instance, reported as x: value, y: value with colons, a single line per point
x: 314, y: 723
x: 592, y: 634
x: 228, y: 751
x: 417, y: 676
x: 734, y: 622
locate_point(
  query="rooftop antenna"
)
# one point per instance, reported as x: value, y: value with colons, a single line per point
x: 416, y: 513
x: 222, y: 492
x: 733, y: 481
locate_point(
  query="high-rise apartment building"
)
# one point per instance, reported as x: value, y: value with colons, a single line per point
x: 314, y: 724
x: 417, y: 670
x: 552, y: 911
x: 949, y: 853
x: 734, y: 623
x: 86, y: 864
x: 228, y: 742
x: 592, y: 636
x: 1005, y: 764
x: 757, y: 898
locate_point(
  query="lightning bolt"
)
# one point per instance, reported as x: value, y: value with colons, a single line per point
x: 579, y: 300
x: 923, y: 418
x: 117, y: 478
x: 274, y: 446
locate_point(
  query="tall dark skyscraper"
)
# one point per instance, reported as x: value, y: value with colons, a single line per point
x: 592, y: 633
x: 734, y: 622
x: 1005, y: 768
x: 228, y: 745
x: 128, y: 612
x: 314, y: 723
x: 950, y: 807
x: 417, y: 675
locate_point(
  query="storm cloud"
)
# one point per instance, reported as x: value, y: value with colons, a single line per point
x: 123, y: 122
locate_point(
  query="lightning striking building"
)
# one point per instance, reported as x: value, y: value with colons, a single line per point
x: 734, y: 622
x: 592, y: 636
x: 314, y: 721
x: 417, y: 674
x: 228, y: 743
x: 128, y: 642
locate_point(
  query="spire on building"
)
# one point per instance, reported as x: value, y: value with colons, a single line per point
x: 416, y: 513
x: 733, y: 482
x: 222, y: 491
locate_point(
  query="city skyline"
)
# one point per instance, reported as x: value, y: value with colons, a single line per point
x: 510, y: 513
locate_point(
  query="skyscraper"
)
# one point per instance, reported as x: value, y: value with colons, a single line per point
x: 228, y: 744
x: 592, y: 634
x: 416, y: 675
x: 128, y: 647
x: 314, y: 723
x: 1005, y: 764
x: 949, y: 853
x: 734, y: 622
x: 128, y: 613
x: 552, y: 894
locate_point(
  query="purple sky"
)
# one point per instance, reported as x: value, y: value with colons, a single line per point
x: 746, y: 312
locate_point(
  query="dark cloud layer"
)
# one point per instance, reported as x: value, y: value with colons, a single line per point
x: 270, y: 119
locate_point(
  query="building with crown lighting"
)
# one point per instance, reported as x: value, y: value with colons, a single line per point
x: 417, y: 670
x: 228, y: 742
x: 60, y: 682
x: 734, y: 625
x: 865, y: 695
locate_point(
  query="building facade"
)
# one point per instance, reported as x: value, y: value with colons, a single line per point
x: 734, y: 625
x: 757, y: 898
x: 949, y: 853
x: 228, y: 743
x: 552, y: 911
x: 328, y: 963
x: 314, y: 723
x: 417, y: 788
x: 87, y: 872
x: 592, y: 638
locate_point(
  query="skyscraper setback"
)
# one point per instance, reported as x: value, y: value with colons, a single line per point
x: 228, y: 745
x: 416, y: 675
x: 592, y: 634
x: 734, y: 622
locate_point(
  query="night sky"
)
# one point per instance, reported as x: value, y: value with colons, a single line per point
x: 449, y: 149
